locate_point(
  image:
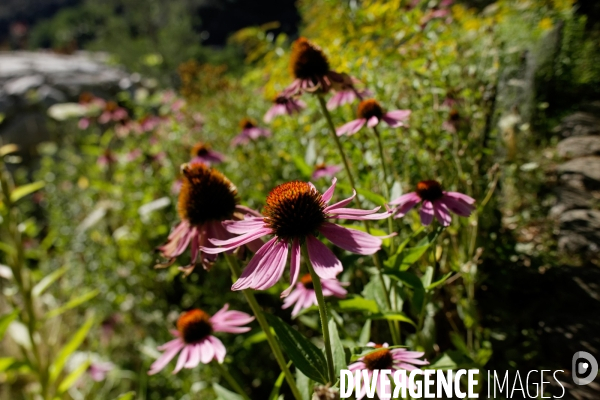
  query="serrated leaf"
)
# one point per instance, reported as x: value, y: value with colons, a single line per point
x: 6, y: 320
x: 57, y: 366
x: 77, y: 301
x: 48, y: 280
x: 305, y: 355
x: 72, y: 378
x: 358, y: 303
x: 337, y: 348
x: 224, y: 394
x: 22, y: 191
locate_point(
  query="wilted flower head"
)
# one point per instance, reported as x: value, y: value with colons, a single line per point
x: 310, y: 68
x: 322, y: 170
x: 195, y: 341
x: 304, y: 296
x: 295, y: 212
x: 206, y: 198
x: 371, y: 113
x: 283, y: 105
x: 385, y: 358
x: 435, y: 202
x: 202, y: 153
x: 250, y: 131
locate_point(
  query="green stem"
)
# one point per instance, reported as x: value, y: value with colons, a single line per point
x: 249, y: 294
x: 387, y: 186
x: 225, y: 374
x: 316, y: 281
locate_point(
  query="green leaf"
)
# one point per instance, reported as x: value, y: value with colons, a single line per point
x: 302, y: 166
x: 126, y: 396
x: 365, y: 333
x: 339, y: 355
x: 277, y: 386
x: 224, y: 394
x: 305, y: 355
x: 5, y: 321
x: 7, y: 248
x: 48, y: 280
x: 72, y: 378
x: 409, y: 255
x: 405, y: 277
x: 72, y: 345
x: 427, y: 276
x: 6, y: 362
x: 439, y: 282
x: 24, y: 190
x: 305, y: 385
x: 357, y: 303
x: 394, y: 316
x: 73, y: 303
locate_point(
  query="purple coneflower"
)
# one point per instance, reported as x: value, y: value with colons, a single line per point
x: 435, y: 202
x: 322, y: 170
x: 384, y: 358
x: 99, y: 370
x: 371, y: 113
x: 112, y: 112
x: 193, y: 338
x: 310, y: 68
x: 283, y: 105
x: 250, y: 131
x: 295, y: 212
x: 206, y: 198
x: 347, y: 93
x: 202, y: 153
x: 303, y: 295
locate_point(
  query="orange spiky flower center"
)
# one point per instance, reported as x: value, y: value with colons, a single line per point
x: 307, y: 60
x: 200, y: 149
x: 306, y: 280
x: 248, y: 123
x: 294, y: 210
x: 194, y: 325
x: 379, y: 359
x: 206, y: 195
x: 369, y: 108
x: 430, y: 190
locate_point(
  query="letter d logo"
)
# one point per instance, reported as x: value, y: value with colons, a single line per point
x: 584, y: 364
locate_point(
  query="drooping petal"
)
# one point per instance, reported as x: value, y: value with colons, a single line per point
x: 395, y: 118
x: 194, y: 357
x: 406, y: 198
x: 351, y: 127
x: 294, y: 267
x: 293, y: 296
x: 373, y: 121
x: 352, y: 240
x: 245, y: 226
x: 460, y: 196
x: 165, y: 358
x: 426, y: 213
x: 207, y: 351
x: 235, y: 242
x: 183, y: 357
x: 218, y: 348
x: 325, y: 263
x: 170, y: 344
x: 271, y: 267
x: 442, y: 213
x: 245, y: 280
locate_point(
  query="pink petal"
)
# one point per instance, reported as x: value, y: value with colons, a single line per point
x: 461, y: 197
x: 325, y: 263
x: 245, y: 226
x: 294, y: 267
x: 457, y: 206
x: 398, y: 115
x: 426, y: 213
x: 342, y: 203
x: 405, y: 198
x: 169, y: 345
x: 271, y: 267
x: 218, y: 348
x: 326, y: 197
x: 293, y: 296
x: 352, y: 240
x: 373, y: 121
x: 165, y: 358
x: 300, y: 304
x: 245, y: 280
x: 183, y: 357
x: 441, y: 213
x: 207, y: 351
x: 235, y: 242
x: 194, y: 358
x: 351, y: 127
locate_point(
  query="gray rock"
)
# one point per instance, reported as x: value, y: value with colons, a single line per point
x: 579, y: 124
x: 580, y: 231
x: 572, y: 198
x: 21, y: 85
x: 585, y: 168
x: 579, y: 146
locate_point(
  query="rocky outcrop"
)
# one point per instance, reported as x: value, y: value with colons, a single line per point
x: 30, y: 82
x: 578, y: 190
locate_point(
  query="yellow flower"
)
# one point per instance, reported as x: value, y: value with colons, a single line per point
x: 545, y: 24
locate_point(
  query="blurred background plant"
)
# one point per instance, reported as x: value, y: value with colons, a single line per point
x: 109, y: 197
